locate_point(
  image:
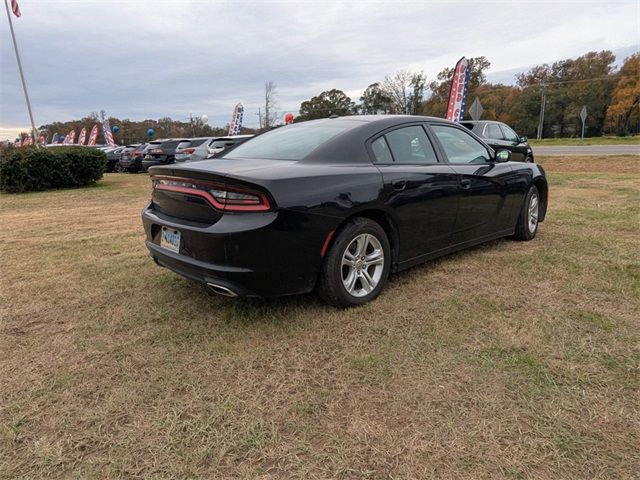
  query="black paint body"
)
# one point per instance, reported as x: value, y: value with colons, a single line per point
x: 427, y: 210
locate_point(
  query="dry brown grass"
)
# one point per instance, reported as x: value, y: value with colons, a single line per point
x: 511, y: 360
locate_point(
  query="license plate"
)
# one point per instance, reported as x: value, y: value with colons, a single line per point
x: 170, y: 239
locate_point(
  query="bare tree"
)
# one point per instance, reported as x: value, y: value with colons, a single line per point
x: 268, y: 119
x: 405, y: 90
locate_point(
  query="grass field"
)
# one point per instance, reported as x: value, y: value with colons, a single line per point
x: 510, y: 360
x: 553, y: 142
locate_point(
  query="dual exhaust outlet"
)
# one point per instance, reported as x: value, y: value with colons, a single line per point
x: 220, y: 290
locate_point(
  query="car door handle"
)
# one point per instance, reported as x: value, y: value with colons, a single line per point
x: 399, y: 184
x: 465, y: 183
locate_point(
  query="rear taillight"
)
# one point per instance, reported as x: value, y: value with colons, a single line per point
x: 136, y: 154
x: 228, y: 198
x: 188, y: 150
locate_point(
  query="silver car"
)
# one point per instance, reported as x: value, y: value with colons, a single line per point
x: 209, y: 147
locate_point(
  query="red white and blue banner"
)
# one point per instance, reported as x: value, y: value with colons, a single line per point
x: 236, y: 120
x: 54, y: 138
x: 458, y: 93
x: 93, y: 136
x: 106, y: 131
x: 27, y: 141
x: 83, y: 136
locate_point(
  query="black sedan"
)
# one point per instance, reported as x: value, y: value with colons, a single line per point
x: 336, y: 205
x: 500, y: 136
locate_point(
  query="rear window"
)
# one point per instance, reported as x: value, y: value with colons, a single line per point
x: 197, y: 143
x: 292, y: 142
x: 171, y: 144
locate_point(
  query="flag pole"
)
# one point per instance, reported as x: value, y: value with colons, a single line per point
x: 34, y: 132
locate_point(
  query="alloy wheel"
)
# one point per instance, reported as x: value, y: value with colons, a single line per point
x: 362, y: 265
x: 533, y: 213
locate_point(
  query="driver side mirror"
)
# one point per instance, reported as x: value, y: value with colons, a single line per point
x: 503, y: 156
x: 523, y: 139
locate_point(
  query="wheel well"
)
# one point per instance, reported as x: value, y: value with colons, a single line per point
x: 387, y: 224
x: 543, y: 188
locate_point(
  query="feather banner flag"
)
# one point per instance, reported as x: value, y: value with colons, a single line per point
x: 83, y: 136
x: 54, y: 138
x: 106, y: 131
x: 70, y: 138
x: 458, y: 92
x: 236, y: 120
x: 93, y: 136
x: 28, y: 141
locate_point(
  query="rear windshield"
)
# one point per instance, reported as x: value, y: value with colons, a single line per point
x: 196, y: 143
x: 292, y: 142
x: 171, y: 144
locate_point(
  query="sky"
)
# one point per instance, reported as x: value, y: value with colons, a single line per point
x: 142, y: 59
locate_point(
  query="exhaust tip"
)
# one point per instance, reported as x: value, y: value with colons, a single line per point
x: 220, y: 290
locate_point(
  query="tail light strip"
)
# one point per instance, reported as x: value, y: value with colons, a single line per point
x: 221, y: 196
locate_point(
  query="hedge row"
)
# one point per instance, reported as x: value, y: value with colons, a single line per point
x: 34, y: 169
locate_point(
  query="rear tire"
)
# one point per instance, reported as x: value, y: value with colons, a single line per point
x: 527, y: 225
x: 357, y: 266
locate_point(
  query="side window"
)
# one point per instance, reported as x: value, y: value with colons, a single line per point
x: 411, y: 145
x: 381, y: 151
x: 493, y: 131
x: 459, y: 146
x: 509, y: 134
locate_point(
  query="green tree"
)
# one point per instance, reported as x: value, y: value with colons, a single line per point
x: 568, y: 85
x: 374, y: 100
x: 329, y: 102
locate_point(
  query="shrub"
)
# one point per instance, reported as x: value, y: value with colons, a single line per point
x: 34, y: 169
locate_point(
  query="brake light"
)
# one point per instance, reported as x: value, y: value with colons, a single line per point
x: 228, y: 198
x: 188, y: 150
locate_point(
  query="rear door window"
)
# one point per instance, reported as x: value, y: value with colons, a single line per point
x: 493, y: 131
x: 407, y: 145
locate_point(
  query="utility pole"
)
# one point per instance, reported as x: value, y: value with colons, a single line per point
x: 260, y: 117
x: 34, y: 132
x: 543, y: 101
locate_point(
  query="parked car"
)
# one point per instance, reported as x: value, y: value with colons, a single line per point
x: 162, y: 152
x: 209, y: 147
x: 131, y: 160
x: 184, y: 150
x: 501, y: 136
x: 116, y: 156
x: 113, y: 157
x: 337, y: 205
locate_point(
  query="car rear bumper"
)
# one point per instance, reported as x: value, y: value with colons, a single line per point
x: 248, y: 254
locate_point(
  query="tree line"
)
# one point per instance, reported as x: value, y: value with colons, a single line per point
x: 611, y: 96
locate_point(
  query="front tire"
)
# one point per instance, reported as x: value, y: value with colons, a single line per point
x: 527, y: 225
x: 357, y: 266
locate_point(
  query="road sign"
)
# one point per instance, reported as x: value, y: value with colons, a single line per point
x: 476, y: 109
x: 583, y: 117
x: 583, y: 113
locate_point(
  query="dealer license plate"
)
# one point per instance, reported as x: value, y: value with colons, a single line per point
x: 170, y: 239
